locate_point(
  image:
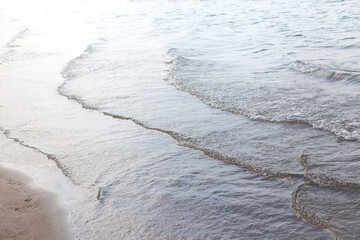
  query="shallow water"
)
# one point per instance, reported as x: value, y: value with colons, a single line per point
x: 189, y: 119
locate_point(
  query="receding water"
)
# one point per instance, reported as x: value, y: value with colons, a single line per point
x: 189, y: 119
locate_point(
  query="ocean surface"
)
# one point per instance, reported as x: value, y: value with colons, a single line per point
x: 167, y: 119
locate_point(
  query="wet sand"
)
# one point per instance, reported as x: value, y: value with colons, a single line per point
x: 26, y: 212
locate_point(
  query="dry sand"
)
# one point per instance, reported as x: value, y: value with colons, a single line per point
x: 28, y: 213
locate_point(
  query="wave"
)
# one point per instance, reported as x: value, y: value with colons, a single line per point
x: 186, y: 141
x: 51, y: 157
x: 256, y: 163
x: 335, y: 211
x: 62, y: 167
x: 308, y: 216
x: 19, y: 35
x: 325, y: 72
x: 10, y: 55
x: 336, y: 174
x: 195, y: 77
x: 13, y: 54
x: 73, y: 70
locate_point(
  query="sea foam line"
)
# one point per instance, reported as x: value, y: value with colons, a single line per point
x: 181, y: 139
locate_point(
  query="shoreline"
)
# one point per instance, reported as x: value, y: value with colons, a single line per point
x: 28, y: 212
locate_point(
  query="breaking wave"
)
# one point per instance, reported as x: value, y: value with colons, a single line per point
x: 295, y: 105
x: 325, y: 72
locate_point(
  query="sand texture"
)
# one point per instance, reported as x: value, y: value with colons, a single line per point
x: 27, y: 213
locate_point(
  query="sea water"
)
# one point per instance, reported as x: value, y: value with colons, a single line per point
x: 188, y: 119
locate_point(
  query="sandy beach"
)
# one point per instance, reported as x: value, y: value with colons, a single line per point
x: 26, y: 212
